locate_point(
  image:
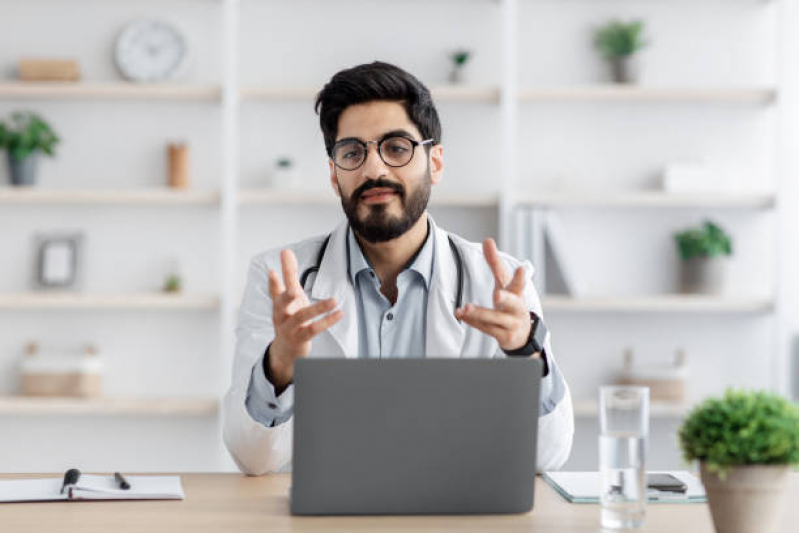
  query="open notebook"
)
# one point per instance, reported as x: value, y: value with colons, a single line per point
x: 583, y: 487
x: 91, y: 487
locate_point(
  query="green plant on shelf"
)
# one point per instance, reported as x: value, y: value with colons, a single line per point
x: 460, y: 57
x: 172, y: 283
x: 742, y: 428
x: 709, y: 240
x: 617, y: 39
x: 26, y: 133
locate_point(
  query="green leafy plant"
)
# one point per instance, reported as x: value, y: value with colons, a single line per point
x: 709, y: 240
x: 742, y: 428
x: 172, y: 283
x: 460, y: 57
x: 25, y: 134
x: 284, y: 162
x: 620, y: 39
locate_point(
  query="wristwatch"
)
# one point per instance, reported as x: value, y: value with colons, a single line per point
x: 535, y: 342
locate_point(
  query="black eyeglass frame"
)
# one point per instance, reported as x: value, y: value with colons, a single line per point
x: 379, y: 143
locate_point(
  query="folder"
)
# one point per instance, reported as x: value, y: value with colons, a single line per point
x: 583, y: 487
x: 91, y: 487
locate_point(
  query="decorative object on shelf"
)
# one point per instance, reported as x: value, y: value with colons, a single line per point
x: 173, y: 280
x: 704, y: 252
x: 560, y: 275
x: 618, y: 42
x: 666, y: 382
x: 39, y: 69
x: 61, y: 374
x: 460, y: 59
x: 58, y: 261
x: 23, y: 137
x: 693, y: 176
x: 283, y: 174
x: 745, y: 443
x: 178, y: 165
x: 151, y: 51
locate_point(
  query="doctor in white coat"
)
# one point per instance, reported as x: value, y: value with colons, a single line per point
x: 387, y: 282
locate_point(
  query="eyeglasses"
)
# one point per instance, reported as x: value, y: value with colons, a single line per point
x: 395, y: 151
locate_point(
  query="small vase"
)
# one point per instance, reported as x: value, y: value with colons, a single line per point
x: 748, y: 500
x: 283, y: 177
x: 457, y: 75
x: 703, y: 275
x: 22, y: 171
x: 625, y: 69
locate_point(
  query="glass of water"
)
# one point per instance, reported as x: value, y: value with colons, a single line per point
x: 624, y: 426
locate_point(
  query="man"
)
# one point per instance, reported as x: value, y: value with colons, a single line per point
x: 384, y: 284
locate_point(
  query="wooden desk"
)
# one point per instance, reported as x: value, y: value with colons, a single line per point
x: 232, y: 502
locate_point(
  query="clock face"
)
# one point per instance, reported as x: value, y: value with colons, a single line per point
x: 150, y: 50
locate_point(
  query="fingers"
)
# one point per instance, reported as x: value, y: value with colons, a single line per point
x: 276, y: 287
x: 313, y: 329
x: 290, y: 272
x: 470, y: 316
x: 501, y: 276
x: 516, y: 285
x: 474, y: 315
x: 310, y: 312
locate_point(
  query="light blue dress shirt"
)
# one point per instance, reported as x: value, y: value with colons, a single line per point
x: 384, y: 330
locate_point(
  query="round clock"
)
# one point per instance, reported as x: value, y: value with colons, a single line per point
x: 150, y: 50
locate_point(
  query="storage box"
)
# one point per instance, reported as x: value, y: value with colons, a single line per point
x: 67, y: 374
x: 34, y: 69
x: 666, y: 382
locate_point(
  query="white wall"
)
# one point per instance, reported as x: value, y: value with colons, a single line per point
x: 301, y: 43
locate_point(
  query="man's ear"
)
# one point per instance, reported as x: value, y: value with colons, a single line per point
x: 436, y: 163
x: 333, y: 177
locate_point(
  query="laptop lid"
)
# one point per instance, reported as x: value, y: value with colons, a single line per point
x: 414, y: 436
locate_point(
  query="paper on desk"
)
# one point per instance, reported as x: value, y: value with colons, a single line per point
x: 583, y: 487
x: 91, y: 487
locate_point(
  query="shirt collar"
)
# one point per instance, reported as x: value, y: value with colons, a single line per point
x: 422, y: 262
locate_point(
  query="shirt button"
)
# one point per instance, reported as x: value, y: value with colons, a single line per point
x: 272, y: 405
x: 390, y: 316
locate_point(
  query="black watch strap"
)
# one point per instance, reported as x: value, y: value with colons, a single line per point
x: 535, y: 342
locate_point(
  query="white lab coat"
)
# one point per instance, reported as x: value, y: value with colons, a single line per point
x: 258, y: 449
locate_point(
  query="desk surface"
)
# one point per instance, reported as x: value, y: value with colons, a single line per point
x: 232, y: 502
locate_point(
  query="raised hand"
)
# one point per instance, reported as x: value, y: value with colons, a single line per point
x: 295, y: 320
x: 509, y: 321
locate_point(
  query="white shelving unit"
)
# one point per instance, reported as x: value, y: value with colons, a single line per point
x: 141, y: 197
x: 179, y: 92
x: 661, y: 410
x: 105, y: 406
x: 643, y: 94
x: 659, y: 304
x: 109, y: 302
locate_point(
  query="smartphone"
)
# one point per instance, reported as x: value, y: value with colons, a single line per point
x: 665, y: 482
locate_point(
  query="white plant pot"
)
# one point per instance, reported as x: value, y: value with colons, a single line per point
x: 748, y: 500
x: 284, y: 178
x: 703, y: 275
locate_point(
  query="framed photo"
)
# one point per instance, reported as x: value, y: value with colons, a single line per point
x: 57, y: 261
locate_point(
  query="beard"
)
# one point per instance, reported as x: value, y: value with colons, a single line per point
x: 378, y: 225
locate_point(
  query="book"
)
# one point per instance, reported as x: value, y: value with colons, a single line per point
x: 561, y: 277
x: 583, y: 487
x: 91, y: 487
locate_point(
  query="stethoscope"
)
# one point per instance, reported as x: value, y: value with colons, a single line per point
x: 455, y: 252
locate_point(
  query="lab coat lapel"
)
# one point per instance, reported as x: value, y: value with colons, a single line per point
x: 445, y: 334
x: 332, y: 280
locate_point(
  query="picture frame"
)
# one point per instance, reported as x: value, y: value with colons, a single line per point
x: 57, y: 263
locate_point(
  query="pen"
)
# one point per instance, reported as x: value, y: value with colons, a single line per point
x: 123, y: 483
x: 70, y: 478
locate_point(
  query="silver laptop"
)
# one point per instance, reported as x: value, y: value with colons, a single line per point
x: 414, y: 436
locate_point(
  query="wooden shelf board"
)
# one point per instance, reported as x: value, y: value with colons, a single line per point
x: 632, y: 93
x: 109, y: 90
x: 284, y: 197
x: 80, y: 301
x: 25, y: 195
x: 176, y: 406
x: 590, y: 409
x: 658, y: 304
x: 442, y: 93
x: 647, y: 199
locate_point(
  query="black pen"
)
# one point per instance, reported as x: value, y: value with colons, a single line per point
x: 123, y: 483
x: 70, y: 478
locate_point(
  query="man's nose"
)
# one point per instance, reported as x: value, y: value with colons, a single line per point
x: 373, y: 166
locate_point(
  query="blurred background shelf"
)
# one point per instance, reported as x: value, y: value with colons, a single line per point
x: 110, y: 91
x: 627, y: 94
x: 112, y: 406
x: 658, y: 304
x: 442, y: 93
x: 156, y: 196
x: 590, y: 409
x: 120, y: 302
x: 647, y: 199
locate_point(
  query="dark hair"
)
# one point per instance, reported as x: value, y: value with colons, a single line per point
x: 373, y: 82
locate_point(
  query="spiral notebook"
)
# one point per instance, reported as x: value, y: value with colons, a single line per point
x: 91, y: 487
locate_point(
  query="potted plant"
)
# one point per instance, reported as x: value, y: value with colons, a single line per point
x: 460, y: 58
x: 618, y: 42
x: 24, y: 136
x: 704, y: 252
x: 283, y: 173
x: 746, y: 443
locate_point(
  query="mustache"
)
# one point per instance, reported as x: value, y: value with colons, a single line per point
x: 378, y: 183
